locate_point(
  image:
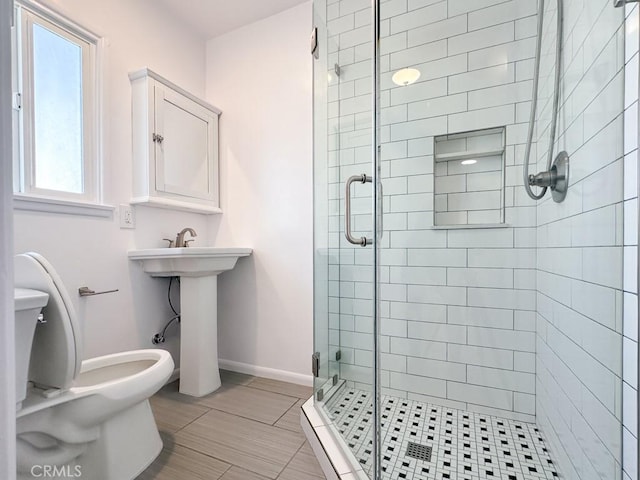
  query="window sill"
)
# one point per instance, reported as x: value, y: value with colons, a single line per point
x: 55, y: 205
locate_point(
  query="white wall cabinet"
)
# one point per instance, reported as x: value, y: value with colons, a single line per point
x: 175, y: 146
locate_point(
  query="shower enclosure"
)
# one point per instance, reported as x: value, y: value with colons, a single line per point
x: 464, y: 330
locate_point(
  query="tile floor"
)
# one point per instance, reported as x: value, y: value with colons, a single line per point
x: 247, y: 430
x: 465, y: 445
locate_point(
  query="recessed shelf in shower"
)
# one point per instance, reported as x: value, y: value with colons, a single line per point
x: 469, y: 178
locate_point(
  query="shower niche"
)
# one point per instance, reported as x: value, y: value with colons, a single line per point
x: 469, y: 179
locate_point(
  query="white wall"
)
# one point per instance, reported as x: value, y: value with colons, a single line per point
x: 7, y: 358
x: 91, y: 251
x: 260, y: 77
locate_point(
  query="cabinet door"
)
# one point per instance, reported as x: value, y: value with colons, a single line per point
x: 186, y: 148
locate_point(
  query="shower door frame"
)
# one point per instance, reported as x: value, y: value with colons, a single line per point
x: 376, y: 210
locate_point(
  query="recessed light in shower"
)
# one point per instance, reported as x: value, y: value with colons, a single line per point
x: 469, y: 162
x: 406, y: 76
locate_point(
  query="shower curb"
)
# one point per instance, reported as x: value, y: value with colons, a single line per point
x: 335, y: 459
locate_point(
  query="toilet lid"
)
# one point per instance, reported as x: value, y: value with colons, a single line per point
x: 56, y: 354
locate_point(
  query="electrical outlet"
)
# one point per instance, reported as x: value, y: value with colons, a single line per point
x: 127, y: 220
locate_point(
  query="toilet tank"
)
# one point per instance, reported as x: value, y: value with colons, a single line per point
x: 28, y: 305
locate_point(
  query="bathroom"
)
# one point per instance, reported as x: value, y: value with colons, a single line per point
x: 463, y: 312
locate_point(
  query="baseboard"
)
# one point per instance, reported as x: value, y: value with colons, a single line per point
x: 257, y: 371
x: 266, y: 372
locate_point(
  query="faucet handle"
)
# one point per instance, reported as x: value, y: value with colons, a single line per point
x: 170, y: 242
x: 186, y: 242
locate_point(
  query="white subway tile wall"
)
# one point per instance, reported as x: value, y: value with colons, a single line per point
x: 523, y: 322
x: 457, y: 306
x: 579, y: 372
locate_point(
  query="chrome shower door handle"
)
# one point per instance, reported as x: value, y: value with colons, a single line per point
x: 362, y: 241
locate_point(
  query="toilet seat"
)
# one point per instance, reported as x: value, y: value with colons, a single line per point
x: 56, y: 352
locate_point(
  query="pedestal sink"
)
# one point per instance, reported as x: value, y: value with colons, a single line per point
x: 198, y: 269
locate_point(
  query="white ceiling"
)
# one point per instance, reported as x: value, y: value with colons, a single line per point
x: 211, y: 18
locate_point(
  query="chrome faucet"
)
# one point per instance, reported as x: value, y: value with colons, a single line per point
x: 180, y: 241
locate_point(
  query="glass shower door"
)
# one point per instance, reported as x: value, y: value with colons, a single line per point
x: 344, y: 280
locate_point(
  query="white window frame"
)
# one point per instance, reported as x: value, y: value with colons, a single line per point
x: 27, y: 195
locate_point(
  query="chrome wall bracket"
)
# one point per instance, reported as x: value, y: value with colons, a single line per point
x: 557, y: 178
x: 315, y: 364
x: 314, y: 43
x: 621, y: 3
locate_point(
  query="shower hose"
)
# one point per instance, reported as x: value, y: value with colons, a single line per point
x: 534, y: 103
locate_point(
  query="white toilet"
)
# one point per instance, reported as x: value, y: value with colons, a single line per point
x: 89, y: 419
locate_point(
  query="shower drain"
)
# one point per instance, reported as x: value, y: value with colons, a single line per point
x: 421, y: 452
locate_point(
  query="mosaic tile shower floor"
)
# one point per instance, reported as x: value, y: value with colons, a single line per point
x: 465, y: 445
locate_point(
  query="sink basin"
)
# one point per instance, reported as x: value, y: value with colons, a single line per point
x: 188, y: 262
x: 198, y: 269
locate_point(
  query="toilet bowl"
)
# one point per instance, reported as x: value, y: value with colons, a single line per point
x: 85, y: 419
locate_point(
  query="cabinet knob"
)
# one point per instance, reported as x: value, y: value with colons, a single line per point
x: 157, y: 138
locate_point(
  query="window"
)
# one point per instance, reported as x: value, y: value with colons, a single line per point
x: 56, y: 107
